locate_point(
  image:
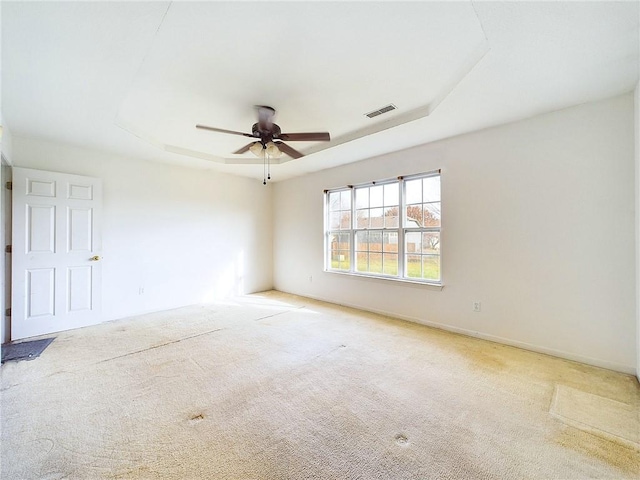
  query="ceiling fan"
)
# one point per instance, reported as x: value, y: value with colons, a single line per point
x: 269, y: 136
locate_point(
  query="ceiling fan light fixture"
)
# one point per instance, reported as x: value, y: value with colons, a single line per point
x: 256, y: 149
x: 264, y: 132
x: 273, y: 151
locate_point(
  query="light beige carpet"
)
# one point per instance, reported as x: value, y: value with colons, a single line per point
x: 274, y: 386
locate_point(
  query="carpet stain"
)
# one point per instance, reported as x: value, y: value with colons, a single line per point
x: 401, y: 439
x: 486, y: 360
x: 196, y: 418
x: 159, y: 366
x: 615, y: 454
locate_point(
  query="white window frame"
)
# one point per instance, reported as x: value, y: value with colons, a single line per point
x: 402, y: 229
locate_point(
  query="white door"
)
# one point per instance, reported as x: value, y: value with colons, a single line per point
x: 56, y: 250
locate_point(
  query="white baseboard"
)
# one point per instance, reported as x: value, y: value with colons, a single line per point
x: 596, y: 362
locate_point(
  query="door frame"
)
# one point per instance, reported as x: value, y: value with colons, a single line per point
x: 6, y: 174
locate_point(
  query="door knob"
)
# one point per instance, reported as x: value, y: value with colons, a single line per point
x: 95, y: 258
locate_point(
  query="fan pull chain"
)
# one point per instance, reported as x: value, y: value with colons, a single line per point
x: 268, y: 167
x: 264, y: 167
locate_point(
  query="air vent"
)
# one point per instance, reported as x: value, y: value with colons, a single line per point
x: 380, y: 111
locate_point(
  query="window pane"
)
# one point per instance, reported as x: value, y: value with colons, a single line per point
x: 334, y: 223
x: 431, y: 242
x: 344, y: 241
x: 362, y: 198
x: 376, y: 218
x: 335, y: 260
x: 340, y: 220
x: 334, y: 201
x: 375, y: 262
x: 375, y: 196
x: 412, y: 242
x: 413, y: 191
x: 390, y: 242
x: 345, y: 260
x: 431, y: 267
x: 362, y: 218
x: 339, y: 246
x: 362, y: 241
x: 345, y: 200
x: 390, y: 264
x: 414, y: 266
x: 390, y: 194
x: 431, y: 190
x: 345, y: 220
x: 362, y: 264
x: 375, y: 242
x: 340, y: 260
x: 432, y: 214
x: 413, y: 216
x: 391, y: 217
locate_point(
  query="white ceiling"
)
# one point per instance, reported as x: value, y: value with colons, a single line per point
x: 135, y: 78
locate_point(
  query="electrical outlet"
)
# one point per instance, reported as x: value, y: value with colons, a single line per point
x: 310, y: 278
x: 476, y: 306
x: 141, y: 291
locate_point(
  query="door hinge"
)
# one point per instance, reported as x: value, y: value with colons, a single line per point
x: 9, y: 185
x: 7, y: 312
x: 7, y: 249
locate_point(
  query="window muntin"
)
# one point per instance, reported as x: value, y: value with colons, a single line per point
x: 389, y: 229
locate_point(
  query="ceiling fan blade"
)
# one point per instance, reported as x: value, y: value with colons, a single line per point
x: 305, y: 137
x: 292, y: 152
x: 265, y: 117
x: 221, y: 130
x: 243, y: 149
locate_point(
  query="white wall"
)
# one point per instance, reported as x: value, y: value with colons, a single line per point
x: 538, y: 225
x: 185, y: 236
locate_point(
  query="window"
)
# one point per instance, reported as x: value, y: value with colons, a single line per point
x: 386, y: 229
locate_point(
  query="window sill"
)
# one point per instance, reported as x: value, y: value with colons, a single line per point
x: 403, y: 281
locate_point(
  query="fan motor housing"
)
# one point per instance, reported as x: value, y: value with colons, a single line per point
x: 266, y: 135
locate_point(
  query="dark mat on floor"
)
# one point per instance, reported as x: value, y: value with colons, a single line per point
x: 24, y: 350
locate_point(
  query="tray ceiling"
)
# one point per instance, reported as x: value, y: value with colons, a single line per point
x: 134, y: 78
